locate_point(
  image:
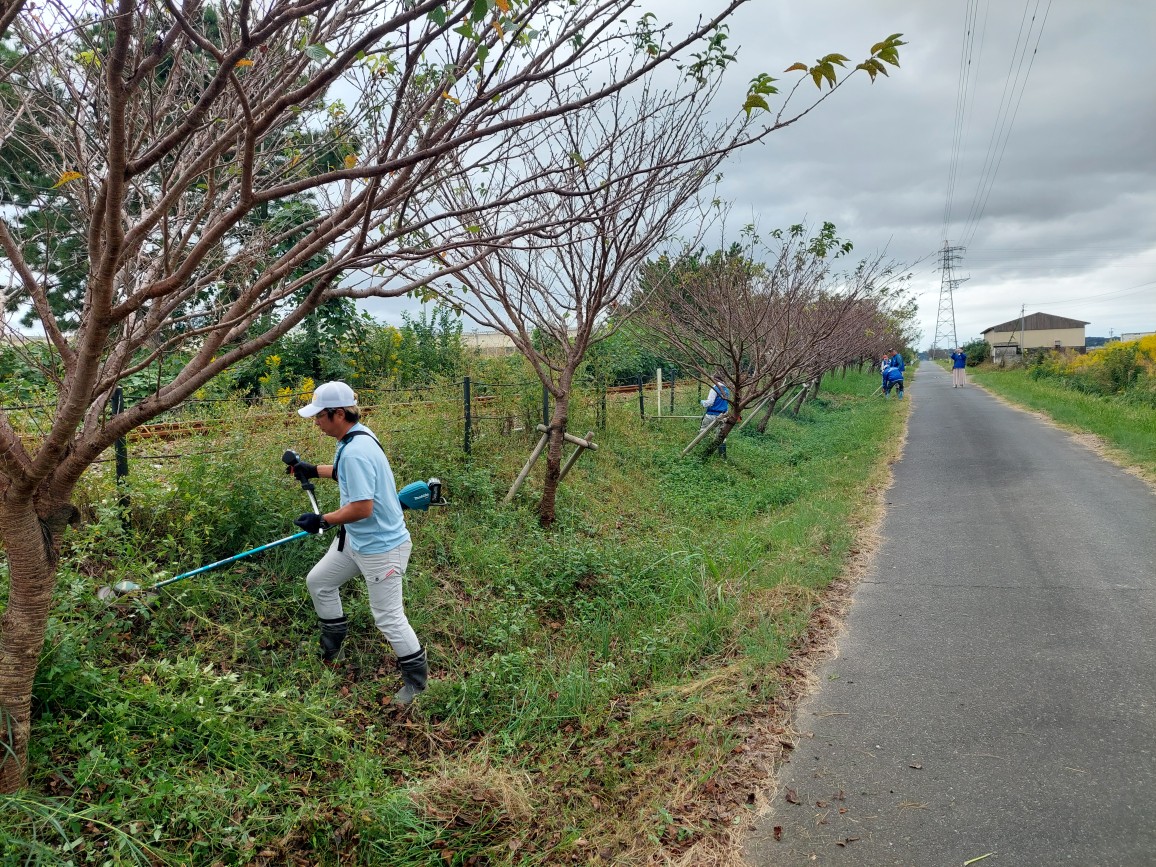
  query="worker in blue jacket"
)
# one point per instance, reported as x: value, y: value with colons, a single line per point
x: 717, y: 403
x: 893, y: 378
x: 958, y: 364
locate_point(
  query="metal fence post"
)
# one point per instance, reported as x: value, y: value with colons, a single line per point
x: 641, y: 399
x: 469, y: 417
x: 603, y: 419
x: 120, y: 448
x: 673, y: 374
x: 545, y: 406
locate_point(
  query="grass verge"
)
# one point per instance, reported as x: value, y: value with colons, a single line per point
x: 592, y: 684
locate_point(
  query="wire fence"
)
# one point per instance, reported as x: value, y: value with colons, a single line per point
x: 465, y: 411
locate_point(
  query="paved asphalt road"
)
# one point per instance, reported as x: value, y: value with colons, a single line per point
x: 995, y: 690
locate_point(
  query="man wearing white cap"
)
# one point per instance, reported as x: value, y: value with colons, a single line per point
x: 372, y: 540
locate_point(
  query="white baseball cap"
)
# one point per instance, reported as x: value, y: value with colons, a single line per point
x: 329, y: 395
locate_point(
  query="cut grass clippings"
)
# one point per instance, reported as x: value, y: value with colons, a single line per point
x: 602, y: 692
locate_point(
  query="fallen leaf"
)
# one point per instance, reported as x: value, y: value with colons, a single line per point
x: 845, y: 842
x: 777, y: 831
x: 820, y: 803
x: 793, y: 797
x: 916, y: 765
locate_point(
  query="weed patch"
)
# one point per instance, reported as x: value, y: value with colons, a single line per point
x: 589, y: 682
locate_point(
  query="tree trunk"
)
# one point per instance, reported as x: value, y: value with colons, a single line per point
x: 798, y: 404
x: 765, y: 420
x: 32, y: 546
x: 716, y: 442
x: 558, y: 421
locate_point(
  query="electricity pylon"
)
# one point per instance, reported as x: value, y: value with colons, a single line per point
x: 945, y: 319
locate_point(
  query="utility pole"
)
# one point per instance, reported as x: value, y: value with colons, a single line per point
x: 945, y: 320
x: 1023, y: 336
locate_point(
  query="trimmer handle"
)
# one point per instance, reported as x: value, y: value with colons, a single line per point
x: 291, y: 459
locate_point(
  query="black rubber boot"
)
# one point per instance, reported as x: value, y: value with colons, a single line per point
x: 333, y: 632
x: 414, y: 674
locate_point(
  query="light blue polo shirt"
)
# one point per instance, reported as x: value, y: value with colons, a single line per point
x: 363, y: 473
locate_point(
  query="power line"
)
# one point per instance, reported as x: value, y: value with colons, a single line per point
x: 1102, y: 295
x: 961, y: 107
x: 978, y: 206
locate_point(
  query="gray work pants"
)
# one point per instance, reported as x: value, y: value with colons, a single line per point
x: 383, y: 579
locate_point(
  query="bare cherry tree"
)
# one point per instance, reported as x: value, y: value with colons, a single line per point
x: 633, y: 167
x: 763, y: 327
x: 629, y: 172
x: 220, y: 171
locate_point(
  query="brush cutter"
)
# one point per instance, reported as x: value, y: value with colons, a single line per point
x: 418, y: 496
x: 132, y: 586
x: 291, y: 459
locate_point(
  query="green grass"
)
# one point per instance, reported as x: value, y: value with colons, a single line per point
x: 1129, y: 428
x: 587, y: 679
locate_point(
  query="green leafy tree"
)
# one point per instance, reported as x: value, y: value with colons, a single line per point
x: 430, y: 346
x: 977, y: 351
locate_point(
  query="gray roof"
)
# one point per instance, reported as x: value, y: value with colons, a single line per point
x: 1037, y: 322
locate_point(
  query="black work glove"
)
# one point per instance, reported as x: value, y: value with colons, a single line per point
x: 311, y: 522
x: 303, y: 471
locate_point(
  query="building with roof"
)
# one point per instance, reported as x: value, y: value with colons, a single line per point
x: 488, y: 342
x: 1036, y: 331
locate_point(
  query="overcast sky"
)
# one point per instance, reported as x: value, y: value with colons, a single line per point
x: 1054, y: 196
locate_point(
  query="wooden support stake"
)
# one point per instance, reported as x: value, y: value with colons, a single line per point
x: 694, y: 442
x: 753, y: 412
x: 574, y: 457
x: 534, y: 455
x: 797, y: 404
x: 791, y: 402
x: 570, y: 438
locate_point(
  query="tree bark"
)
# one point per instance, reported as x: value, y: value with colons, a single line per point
x: 798, y: 404
x: 32, y: 545
x: 765, y: 420
x: 558, y: 421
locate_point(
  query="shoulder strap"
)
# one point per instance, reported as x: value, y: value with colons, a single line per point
x: 345, y: 440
